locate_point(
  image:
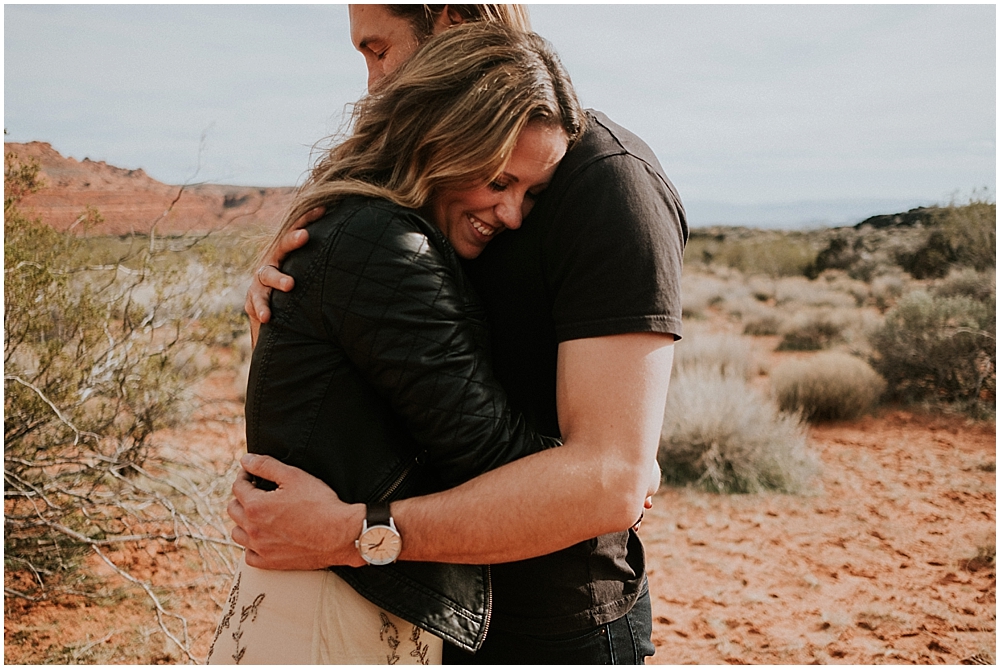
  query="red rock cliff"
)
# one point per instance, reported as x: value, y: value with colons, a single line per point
x: 130, y: 201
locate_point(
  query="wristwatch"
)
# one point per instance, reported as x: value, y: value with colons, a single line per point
x: 379, y: 542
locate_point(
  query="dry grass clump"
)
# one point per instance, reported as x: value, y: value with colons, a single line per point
x: 702, y: 290
x: 812, y: 331
x: 723, y: 354
x: 801, y: 291
x: 980, y: 286
x: 721, y: 435
x: 888, y: 288
x: 763, y: 324
x: 828, y: 386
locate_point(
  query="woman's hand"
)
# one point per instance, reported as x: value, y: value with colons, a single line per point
x: 268, y: 276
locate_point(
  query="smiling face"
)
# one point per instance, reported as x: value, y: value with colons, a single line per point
x: 471, y: 217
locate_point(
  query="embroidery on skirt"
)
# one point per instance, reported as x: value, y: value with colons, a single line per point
x: 244, y: 614
x: 420, y: 650
x: 234, y: 596
x: 392, y: 640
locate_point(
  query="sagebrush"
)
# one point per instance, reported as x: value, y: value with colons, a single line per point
x: 722, y: 435
x: 939, y: 349
x: 828, y: 386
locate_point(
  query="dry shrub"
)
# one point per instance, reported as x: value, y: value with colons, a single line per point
x: 762, y: 321
x: 722, y: 435
x: 803, y: 292
x: 888, y: 288
x: 980, y: 286
x: 827, y: 386
x: 939, y: 349
x: 96, y: 359
x: 724, y: 354
x: 812, y: 332
x: 701, y: 291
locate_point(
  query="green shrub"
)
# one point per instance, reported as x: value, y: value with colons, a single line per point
x: 775, y: 255
x: 722, y: 435
x: 939, y: 348
x: 811, y: 333
x: 971, y: 232
x: 827, y: 386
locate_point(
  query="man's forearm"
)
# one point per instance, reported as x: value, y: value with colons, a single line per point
x: 611, y: 396
x: 531, y: 507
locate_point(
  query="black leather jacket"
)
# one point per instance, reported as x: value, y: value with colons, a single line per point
x: 374, y: 376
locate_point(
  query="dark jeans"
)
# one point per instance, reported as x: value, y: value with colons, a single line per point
x: 622, y: 641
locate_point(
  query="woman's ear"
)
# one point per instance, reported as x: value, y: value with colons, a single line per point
x: 448, y: 17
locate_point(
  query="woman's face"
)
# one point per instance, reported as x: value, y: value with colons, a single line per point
x: 471, y: 217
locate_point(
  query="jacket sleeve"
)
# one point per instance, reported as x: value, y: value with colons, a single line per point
x: 396, y: 301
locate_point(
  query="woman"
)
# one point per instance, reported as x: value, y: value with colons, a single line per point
x: 373, y: 374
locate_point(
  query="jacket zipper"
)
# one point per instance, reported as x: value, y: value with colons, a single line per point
x: 399, y: 481
x: 489, y: 578
x: 489, y: 605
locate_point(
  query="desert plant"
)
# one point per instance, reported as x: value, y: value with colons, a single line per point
x: 959, y: 235
x: 720, y: 434
x: 771, y: 255
x: 971, y: 231
x: 724, y: 354
x: 811, y: 332
x: 828, y: 386
x: 762, y: 325
x: 939, y: 348
x: 980, y: 286
x: 90, y: 372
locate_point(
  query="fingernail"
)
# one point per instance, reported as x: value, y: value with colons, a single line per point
x: 248, y: 458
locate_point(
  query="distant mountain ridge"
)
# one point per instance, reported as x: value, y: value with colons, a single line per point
x: 131, y: 201
x: 804, y: 215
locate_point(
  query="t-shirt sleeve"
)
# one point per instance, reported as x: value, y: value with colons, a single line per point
x: 614, y: 254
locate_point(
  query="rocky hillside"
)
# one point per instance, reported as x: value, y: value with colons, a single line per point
x: 131, y: 201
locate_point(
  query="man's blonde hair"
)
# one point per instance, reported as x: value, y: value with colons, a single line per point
x: 447, y: 118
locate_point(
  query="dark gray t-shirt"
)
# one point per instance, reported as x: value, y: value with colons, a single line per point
x: 599, y: 255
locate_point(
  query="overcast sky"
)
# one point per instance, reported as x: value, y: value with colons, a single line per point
x: 811, y: 113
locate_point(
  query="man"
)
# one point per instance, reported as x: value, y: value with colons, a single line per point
x: 584, y: 306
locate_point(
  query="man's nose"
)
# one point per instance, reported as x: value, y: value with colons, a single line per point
x: 508, y: 212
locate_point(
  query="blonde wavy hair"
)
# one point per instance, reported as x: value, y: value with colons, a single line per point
x: 447, y: 118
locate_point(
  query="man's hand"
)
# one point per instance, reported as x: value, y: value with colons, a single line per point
x: 300, y: 525
x: 268, y: 276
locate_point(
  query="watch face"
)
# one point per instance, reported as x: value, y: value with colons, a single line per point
x: 379, y: 545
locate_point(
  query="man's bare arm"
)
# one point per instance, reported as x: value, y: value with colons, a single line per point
x: 610, y: 391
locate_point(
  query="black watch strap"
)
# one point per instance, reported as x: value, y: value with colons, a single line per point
x: 378, y: 514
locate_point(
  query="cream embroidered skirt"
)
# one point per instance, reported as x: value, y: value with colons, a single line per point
x: 312, y: 617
